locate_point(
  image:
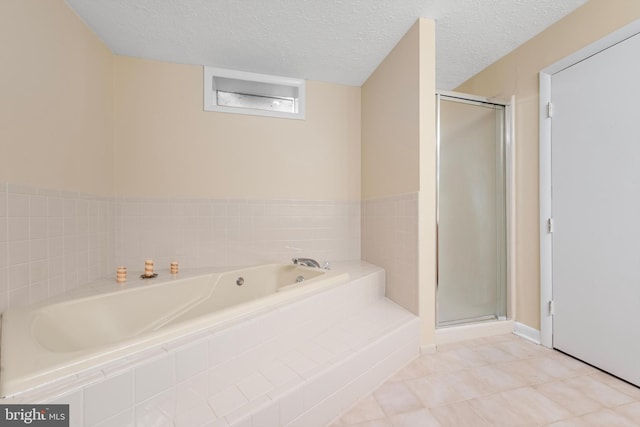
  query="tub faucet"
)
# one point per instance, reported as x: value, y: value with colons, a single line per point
x: 306, y: 262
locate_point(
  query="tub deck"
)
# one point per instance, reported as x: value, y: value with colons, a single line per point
x: 50, y: 341
x: 298, y: 365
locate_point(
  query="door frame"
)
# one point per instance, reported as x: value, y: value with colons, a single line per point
x: 545, y: 178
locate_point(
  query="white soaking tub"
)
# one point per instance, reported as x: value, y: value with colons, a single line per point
x: 50, y: 341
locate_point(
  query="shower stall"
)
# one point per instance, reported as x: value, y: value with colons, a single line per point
x: 472, y: 206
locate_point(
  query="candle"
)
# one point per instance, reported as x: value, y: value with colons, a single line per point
x: 121, y: 274
x: 148, y: 267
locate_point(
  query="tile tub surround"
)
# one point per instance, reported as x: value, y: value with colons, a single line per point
x: 51, y: 242
x: 300, y: 364
x: 390, y: 240
x: 500, y: 380
x: 220, y: 233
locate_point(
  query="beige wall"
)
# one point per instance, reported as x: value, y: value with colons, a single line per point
x: 166, y: 145
x: 517, y: 73
x: 56, y: 102
x: 398, y: 158
x: 427, y: 198
x: 69, y: 107
x: 391, y: 122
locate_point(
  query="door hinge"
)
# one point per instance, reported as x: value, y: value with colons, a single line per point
x: 550, y: 225
x: 552, y: 309
x: 549, y: 110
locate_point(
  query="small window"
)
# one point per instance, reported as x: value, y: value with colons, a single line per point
x: 250, y: 93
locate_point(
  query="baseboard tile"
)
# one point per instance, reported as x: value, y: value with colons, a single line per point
x: 527, y: 332
x: 428, y: 349
x: 455, y: 334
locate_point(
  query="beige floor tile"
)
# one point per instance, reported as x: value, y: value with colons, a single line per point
x: 469, y: 357
x: 448, y: 387
x: 571, y: 422
x: 607, y: 418
x: 579, y: 367
x: 468, y: 386
x: 500, y: 338
x: 458, y: 415
x: 495, y: 355
x: 630, y: 411
x: 521, y: 349
x: 428, y: 364
x: 524, y: 372
x: 442, y: 348
x: 365, y: 410
x: 554, y: 367
x: 396, y: 398
x: 496, y: 378
x: 432, y: 394
x: 421, y: 418
x: 495, y: 410
x: 439, y: 362
x: 618, y: 384
x: 415, y: 369
x: 568, y: 397
x: 598, y: 391
x: 531, y: 404
x: 376, y: 423
x: 497, y: 381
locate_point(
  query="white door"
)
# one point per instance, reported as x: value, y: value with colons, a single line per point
x: 595, y: 155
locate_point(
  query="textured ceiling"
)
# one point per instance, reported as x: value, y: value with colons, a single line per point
x: 339, y: 41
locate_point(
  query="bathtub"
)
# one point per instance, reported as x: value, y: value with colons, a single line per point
x: 48, y: 342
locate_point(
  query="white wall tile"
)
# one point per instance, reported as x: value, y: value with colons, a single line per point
x: 157, y: 411
x: 18, y: 252
x: 3, y: 201
x: 191, y: 360
x: 277, y: 373
x: 74, y: 400
x: 4, y: 281
x: 198, y: 416
x: 268, y: 415
x: 21, y: 189
x: 55, y: 227
x: 291, y: 405
x: 4, y: 297
x: 108, y: 398
x: 37, y: 206
x: 18, y: 277
x: 123, y: 419
x: 55, y: 207
x: 18, y: 205
x: 18, y: 228
x: 3, y: 229
x: 38, y: 250
x: 39, y: 271
x: 19, y: 297
x: 154, y: 377
x: 38, y: 292
x: 227, y: 401
x: 254, y: 386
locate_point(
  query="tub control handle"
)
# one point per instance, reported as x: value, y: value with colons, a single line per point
x: 240, y: 281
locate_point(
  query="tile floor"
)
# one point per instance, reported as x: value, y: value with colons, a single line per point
x: 497, y: 381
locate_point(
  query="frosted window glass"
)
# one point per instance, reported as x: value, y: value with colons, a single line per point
x: 267, y: 103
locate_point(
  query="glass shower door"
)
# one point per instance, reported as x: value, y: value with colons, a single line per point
x: 471, y: 211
